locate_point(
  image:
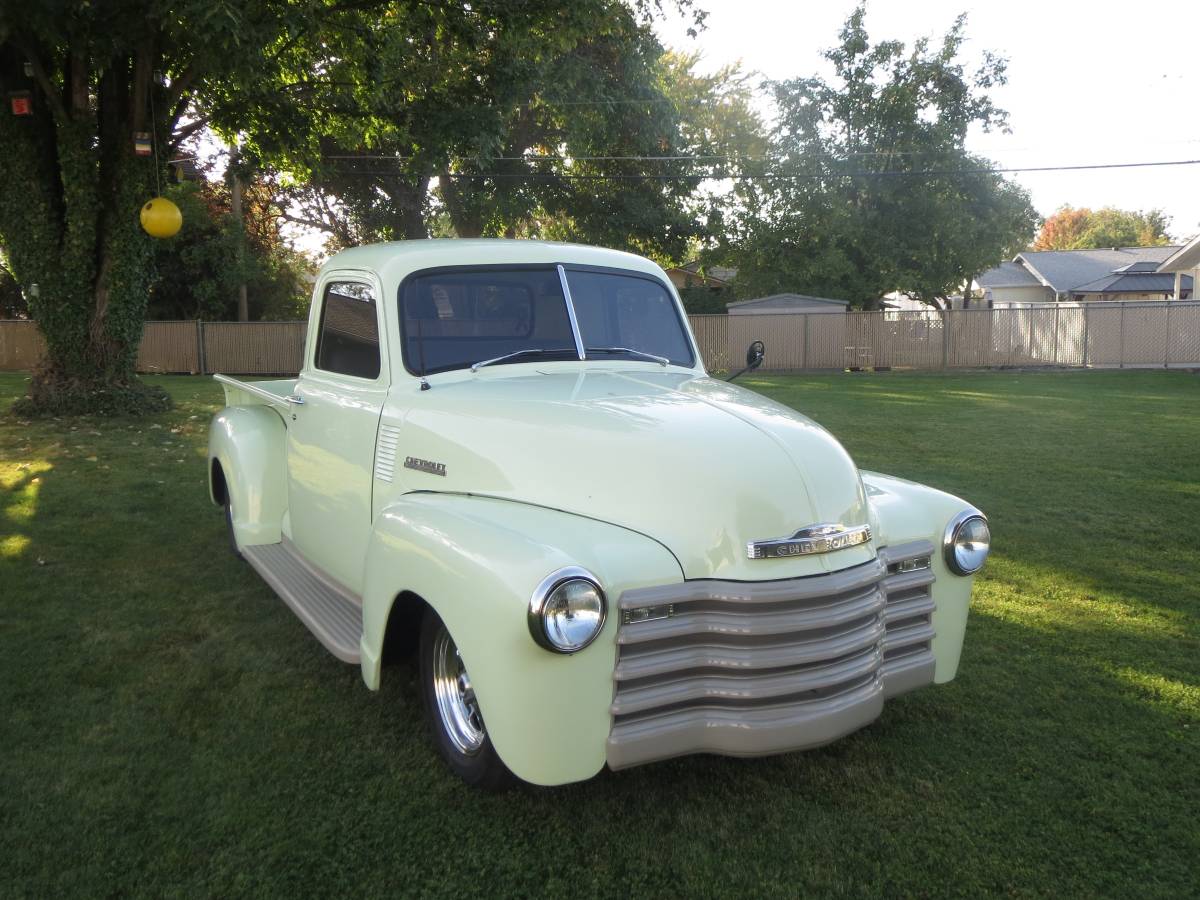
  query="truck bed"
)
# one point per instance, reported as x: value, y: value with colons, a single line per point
x: 256, y: 393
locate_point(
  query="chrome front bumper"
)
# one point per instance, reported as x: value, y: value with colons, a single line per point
x: 756, y: 668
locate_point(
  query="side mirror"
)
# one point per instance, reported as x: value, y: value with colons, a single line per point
x: 754, y: 354
x: 754, y: 357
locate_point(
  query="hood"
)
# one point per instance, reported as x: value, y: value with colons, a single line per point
x: 699, y: 465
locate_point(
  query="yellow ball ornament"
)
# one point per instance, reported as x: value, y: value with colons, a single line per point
x: 161, y: 218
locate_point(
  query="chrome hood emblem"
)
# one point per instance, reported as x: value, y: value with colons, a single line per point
x: 811, y: 540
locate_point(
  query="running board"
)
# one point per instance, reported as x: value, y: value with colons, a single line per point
x: 329, y: 611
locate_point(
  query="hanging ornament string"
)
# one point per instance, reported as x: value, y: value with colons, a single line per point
x: 154, y: 140
x: 160, y: 217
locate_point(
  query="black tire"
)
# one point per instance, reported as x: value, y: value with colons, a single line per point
x: 229, y: 530
x: 464, y: 742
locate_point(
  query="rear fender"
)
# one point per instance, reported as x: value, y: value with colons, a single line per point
x: 477, y: 561
x: 250, y: 444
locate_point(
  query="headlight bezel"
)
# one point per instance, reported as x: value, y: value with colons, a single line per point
x: 541, y: 596
x: 950, y: 541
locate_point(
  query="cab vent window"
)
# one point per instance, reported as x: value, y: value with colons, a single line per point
x: 348, y: 340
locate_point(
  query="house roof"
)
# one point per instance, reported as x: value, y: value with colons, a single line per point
x: 1066, y: 270
x: 1186, y: 257
x: 1008, y: 274
x: 717, y: 273
x: 786, y: 300
x: 1136, y: 282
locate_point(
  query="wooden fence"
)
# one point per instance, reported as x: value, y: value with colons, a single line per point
x: 1164, y: 334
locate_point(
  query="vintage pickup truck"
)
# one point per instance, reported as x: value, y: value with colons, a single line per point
x: 508, y: 457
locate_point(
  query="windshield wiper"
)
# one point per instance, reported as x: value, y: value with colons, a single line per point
x: 661, y: 360
x: 528, y: 351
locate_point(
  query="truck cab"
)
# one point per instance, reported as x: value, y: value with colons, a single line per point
x: 510, y: 454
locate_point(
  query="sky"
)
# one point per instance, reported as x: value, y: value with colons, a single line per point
x: 1089, y: 82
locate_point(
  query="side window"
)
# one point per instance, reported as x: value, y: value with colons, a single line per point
x: 348, y: 337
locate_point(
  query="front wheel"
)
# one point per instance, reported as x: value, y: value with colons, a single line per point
x: 453, y: 711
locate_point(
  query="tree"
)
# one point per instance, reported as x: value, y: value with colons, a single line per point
x: 71, y: 183
x: 200, y: 269
x: 872, y: 189
x: 1085, y: 229
x: 489, y: 117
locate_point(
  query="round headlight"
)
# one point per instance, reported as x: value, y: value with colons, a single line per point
x: 567, y: 610
x: 968, y: 542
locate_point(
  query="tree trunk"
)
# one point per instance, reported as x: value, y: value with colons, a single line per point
x: 239, y: 222
x: 70, y: 189
x: 466, y: 221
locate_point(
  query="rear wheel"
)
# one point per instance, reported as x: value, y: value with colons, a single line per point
x: 453, y: 711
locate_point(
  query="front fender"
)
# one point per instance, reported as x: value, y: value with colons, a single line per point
x: 476, y: 561
x: 903, y: 511
x: 250, y: 443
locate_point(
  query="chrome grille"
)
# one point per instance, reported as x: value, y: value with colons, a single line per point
x: 749, y: 668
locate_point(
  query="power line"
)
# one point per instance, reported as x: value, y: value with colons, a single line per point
x: 782, y: 176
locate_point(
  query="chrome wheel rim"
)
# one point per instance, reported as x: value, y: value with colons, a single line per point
x: 456, y: 704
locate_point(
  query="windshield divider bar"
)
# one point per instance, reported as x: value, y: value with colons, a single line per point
x: 566, y: 289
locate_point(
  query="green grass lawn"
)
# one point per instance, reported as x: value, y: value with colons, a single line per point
x: 169, y: 728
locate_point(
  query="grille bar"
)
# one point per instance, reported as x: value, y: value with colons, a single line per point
x: 727, y: 688
x: 746, y: 658
x: 746, y: 668
x: 777, y: 621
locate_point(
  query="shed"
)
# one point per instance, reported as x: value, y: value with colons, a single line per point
x: 787, y: 303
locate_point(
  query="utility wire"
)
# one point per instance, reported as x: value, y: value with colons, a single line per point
x: 782, y: 176
x: 715, y: 157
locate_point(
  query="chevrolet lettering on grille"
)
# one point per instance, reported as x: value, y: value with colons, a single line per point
x: 808, y: 541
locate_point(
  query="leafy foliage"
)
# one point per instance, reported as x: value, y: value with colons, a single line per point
x: 12, y: 300
x: 700, y: 300
x: 1084, y: 229
x: 874, y: 190
x: 201, y: 268
x: 499, y: 108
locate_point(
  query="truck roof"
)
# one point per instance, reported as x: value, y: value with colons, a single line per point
x: 396, y: 259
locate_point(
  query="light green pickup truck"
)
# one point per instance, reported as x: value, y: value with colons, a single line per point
x: 508, y: 456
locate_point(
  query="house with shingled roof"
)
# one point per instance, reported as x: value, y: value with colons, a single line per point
x: 1106, y: 274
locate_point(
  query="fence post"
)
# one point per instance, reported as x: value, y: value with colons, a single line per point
x: 945, y: 336
x: 1121, y: 352
x: 1167, y: 339
x: 1012, y: 326
x: 200, y: 361
x: 1054, y: 340
x: 1086, y: 319
x: 804, y: 348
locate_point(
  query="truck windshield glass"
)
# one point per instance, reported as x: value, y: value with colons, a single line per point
x: 616, y: 311
x: 454, y: 319
x: 457, y: 318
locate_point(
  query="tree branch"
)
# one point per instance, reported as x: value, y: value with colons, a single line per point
x: 176, y: 93
x: 311, y: 223
x: 141, y: 88
x: 178, y: 137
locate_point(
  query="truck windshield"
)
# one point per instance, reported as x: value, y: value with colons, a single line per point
x: 453, y: 319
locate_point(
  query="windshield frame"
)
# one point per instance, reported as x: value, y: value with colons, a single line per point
x: 413, y: 366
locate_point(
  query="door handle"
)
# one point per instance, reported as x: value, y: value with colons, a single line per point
x: 294, y: 399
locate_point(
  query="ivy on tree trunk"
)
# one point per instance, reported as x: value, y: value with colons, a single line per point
x: 70, y: 190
